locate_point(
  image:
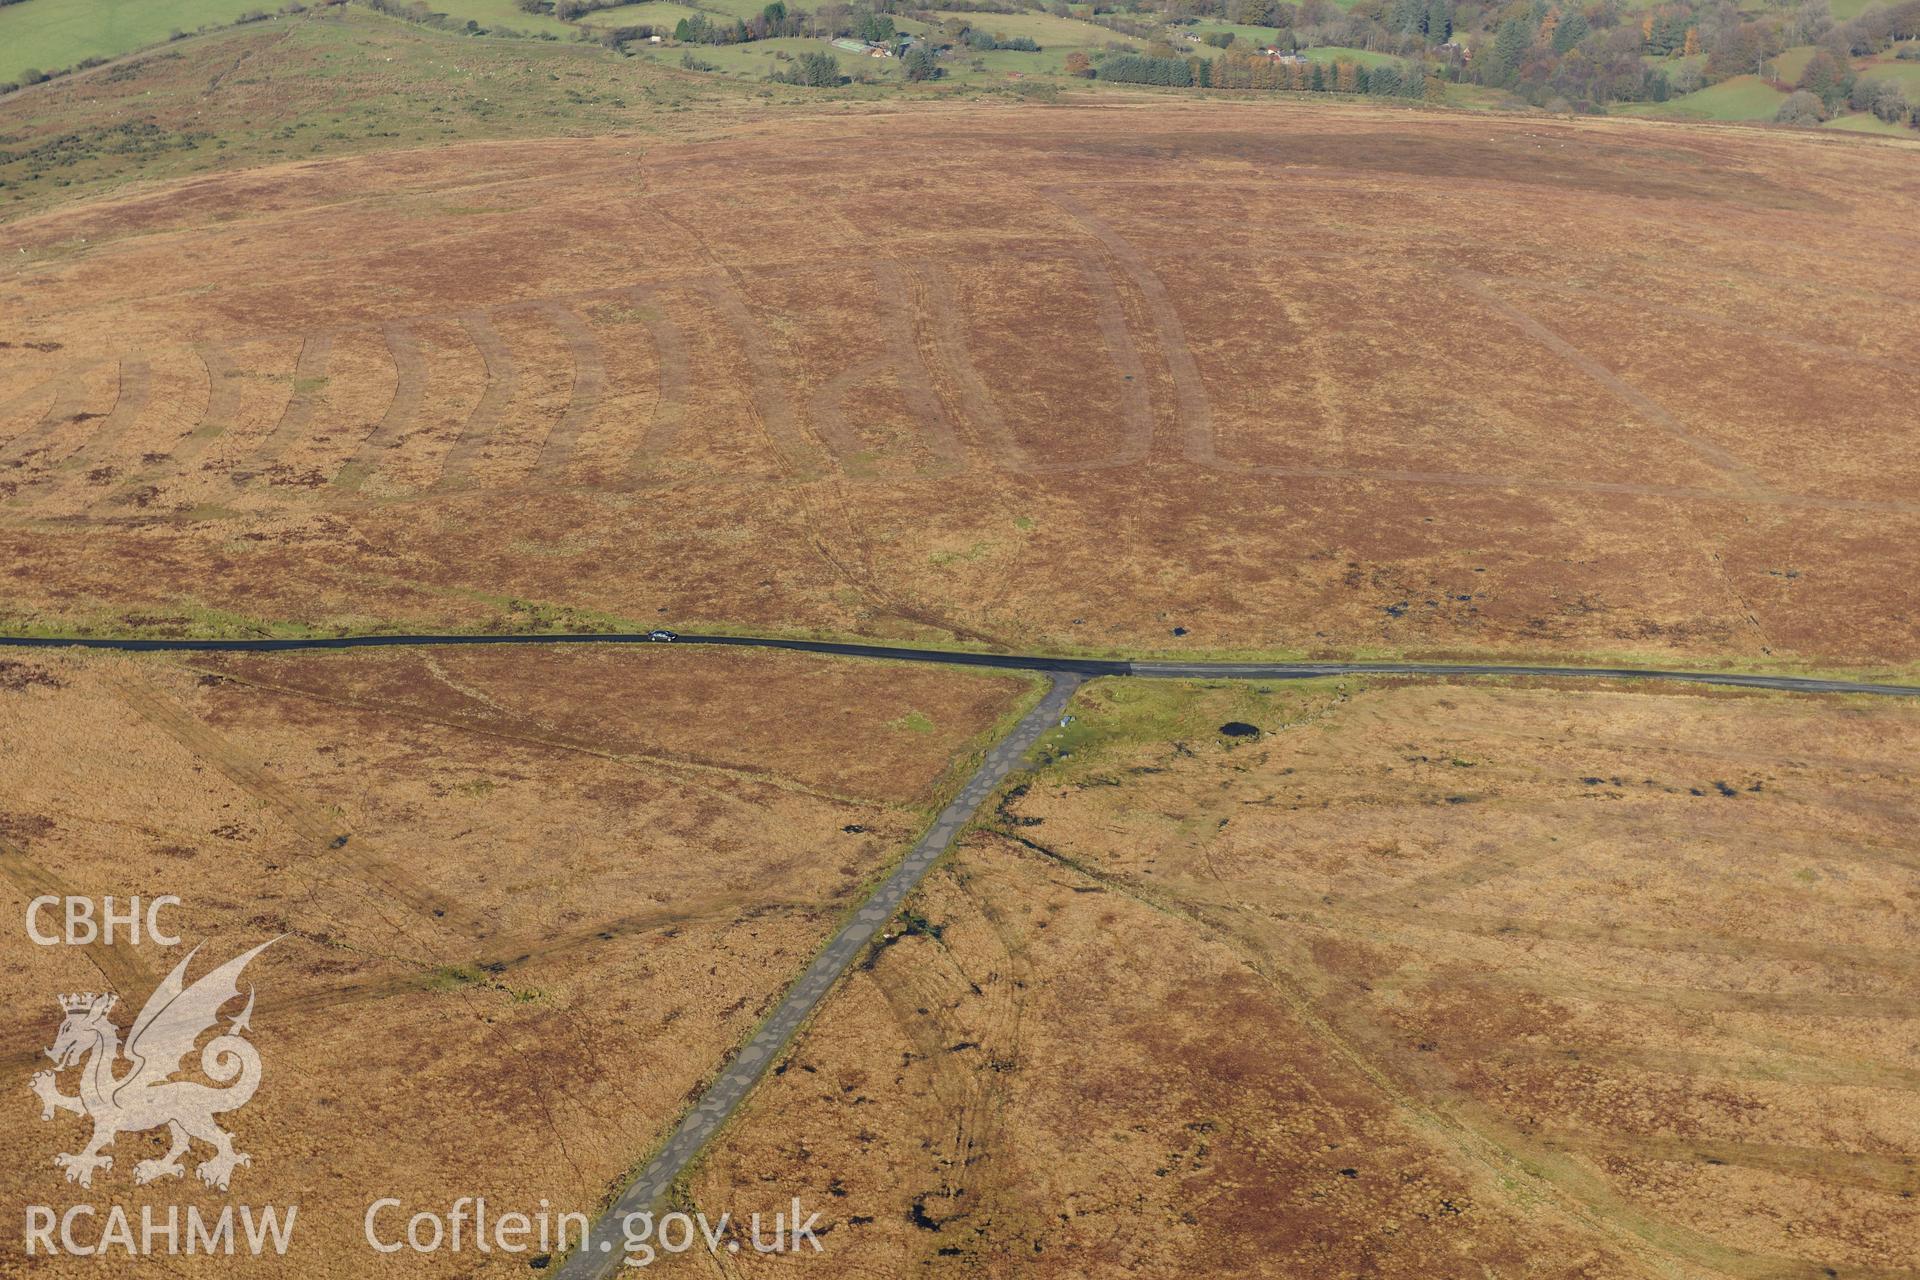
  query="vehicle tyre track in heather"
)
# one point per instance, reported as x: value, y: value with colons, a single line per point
x: 674, y: 377
x: 900, y: 341
x: 323, y: 837
x: 1714, y: 455
x: 589, y: 387
x: 828, y: 417
x: 119, y: 965
x: 1136, y: 412
x: 69, y: 401
x: 136, y: 383
x: 951, y: 367
x: 767, y: 401
x: 410, y: 384
x: 456, y: 469
x: 223, y: 406
x: 1189, y: 388
x: 309, y: 380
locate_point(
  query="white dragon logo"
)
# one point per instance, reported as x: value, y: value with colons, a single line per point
x: 169, y: 1025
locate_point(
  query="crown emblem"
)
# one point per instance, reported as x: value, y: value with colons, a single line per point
x: 82, y: 1001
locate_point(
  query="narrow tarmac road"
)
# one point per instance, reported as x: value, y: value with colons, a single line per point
x: 604, y: 1254
x: 1151, y: 669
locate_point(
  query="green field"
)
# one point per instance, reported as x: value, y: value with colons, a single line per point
x: 1906, y: 74
x: 1244, y: 37
x: 1844, y: 9
x: 737, y: 8
x: 1043, y: 29
x: 761, y: 58
x: 1672, y: 65
x: 502, y: 13
x: 53, y: 35
x: 1477, y: 97
x: 1004, y: 63
x: 1741, y: 98
x: 1789, y: 66
x: 1335, y: 53
x: 1866, y: 122
x: 654, y: 13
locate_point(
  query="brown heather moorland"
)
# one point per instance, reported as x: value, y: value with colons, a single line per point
x: 1310, y: 380
x: 1426, y: 981
x: 528, y: 904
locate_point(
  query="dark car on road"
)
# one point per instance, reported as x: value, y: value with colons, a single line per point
x: 662, y: 636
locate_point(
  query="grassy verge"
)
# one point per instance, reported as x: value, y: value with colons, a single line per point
x: 1111, y: 718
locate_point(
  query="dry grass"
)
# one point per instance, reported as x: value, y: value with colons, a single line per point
x: 568, y: 886
x: 1294, y: 380
x: 1426, y: 980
